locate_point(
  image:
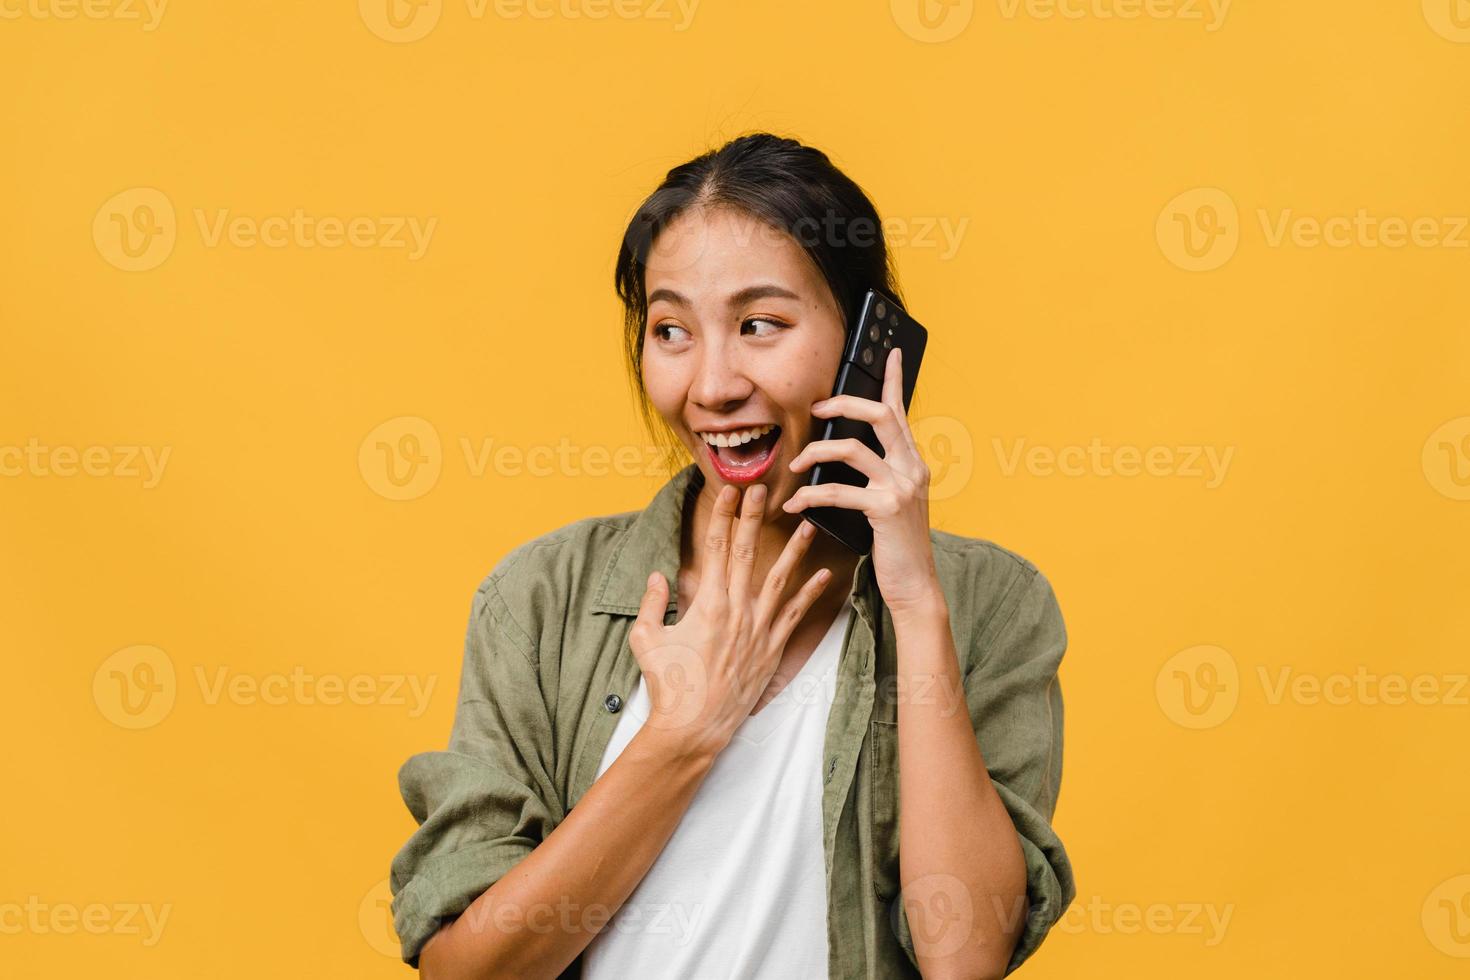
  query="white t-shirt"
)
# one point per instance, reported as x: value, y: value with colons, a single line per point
x: 740, y: 890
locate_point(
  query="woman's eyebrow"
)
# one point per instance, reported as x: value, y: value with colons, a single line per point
x: 668, y: 296
x: 747, y: 295
x: 763, y: 291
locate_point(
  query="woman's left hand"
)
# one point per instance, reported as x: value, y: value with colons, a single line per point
x: 896, y: 499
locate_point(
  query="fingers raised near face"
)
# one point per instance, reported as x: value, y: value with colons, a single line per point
x: 893, y: 381
x: 650, y: 612
x: 879, y: 414
x: 798, y: 605
x: 782, y: 572
x: 853, y: 452
x: 713, y: 582
x: 893, y: 395
x: 747, y: 537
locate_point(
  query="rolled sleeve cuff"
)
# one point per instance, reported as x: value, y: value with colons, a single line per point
x: 443, y: 888
x: 1047, y: 894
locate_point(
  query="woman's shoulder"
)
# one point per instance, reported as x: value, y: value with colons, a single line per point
x: 979, y: 550
x: 563, y: 548
x: 979, y: 557
x: 547, y: 576
x: 984, y: 582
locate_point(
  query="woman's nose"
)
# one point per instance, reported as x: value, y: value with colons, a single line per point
x: 721, y: 380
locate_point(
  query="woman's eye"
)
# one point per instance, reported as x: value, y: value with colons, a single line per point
x: 764, y: 327
x: 665, y: 331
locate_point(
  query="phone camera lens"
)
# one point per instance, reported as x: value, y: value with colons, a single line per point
x: 868, y: 356
x: 888, y: 343
x: 882, y: 309
x: 873, y: 333
x: 893, y: 321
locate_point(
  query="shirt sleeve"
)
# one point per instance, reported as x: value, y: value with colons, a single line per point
x: 1015, y: 705
x: 487, y: 801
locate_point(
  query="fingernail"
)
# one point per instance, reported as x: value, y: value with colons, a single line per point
x: 824, y: 575
x: 807, y: 529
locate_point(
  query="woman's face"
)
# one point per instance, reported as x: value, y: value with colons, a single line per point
x: 743, y: 335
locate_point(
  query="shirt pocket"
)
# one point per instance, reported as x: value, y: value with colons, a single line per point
x: 884, y: 775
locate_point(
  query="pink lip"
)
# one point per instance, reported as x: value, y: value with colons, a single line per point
x: 746, y: 474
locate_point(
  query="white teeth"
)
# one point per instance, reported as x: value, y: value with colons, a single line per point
x: 737, y: 438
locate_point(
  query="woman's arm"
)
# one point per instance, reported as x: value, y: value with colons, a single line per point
x: 961, y: 868
x: 963, y: 864
x: 541, y: 915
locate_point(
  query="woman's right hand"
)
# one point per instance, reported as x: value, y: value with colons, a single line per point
x: 706, y: 672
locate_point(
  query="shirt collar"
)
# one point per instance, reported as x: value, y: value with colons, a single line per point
x: 651, y: 543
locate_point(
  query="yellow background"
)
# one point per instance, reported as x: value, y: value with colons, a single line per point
x: 1332, y: 835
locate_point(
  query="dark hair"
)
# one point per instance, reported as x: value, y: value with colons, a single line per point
x: 788, y: 186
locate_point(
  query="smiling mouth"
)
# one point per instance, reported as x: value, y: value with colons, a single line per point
x: 745, y: 455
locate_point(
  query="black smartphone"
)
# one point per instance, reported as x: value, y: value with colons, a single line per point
x: 880, y: 326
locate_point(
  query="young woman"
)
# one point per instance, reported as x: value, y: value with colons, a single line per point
x: 677, y: 746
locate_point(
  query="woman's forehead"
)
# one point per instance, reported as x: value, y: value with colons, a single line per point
x: 716, y: 253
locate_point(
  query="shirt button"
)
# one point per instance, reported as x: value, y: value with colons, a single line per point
x: 612, y: 703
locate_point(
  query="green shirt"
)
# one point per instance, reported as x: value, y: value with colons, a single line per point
x: 547, y: 650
